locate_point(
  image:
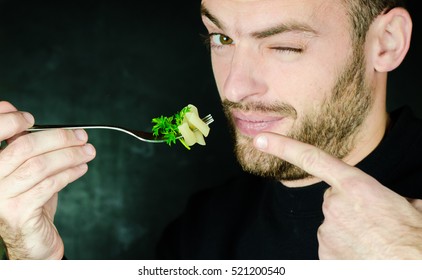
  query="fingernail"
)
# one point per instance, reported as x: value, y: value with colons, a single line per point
x: 28, y: 117
x: 89, y: 149
x: 261, y: 142
x: 81, y: 134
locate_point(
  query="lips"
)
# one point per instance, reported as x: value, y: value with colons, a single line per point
x: 253, y: 123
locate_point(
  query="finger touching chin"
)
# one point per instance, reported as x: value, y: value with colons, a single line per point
x: 278, y: 145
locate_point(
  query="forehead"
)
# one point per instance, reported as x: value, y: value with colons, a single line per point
x: 243, y: 16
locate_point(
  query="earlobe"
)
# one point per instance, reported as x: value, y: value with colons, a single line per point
x: 393, y: 33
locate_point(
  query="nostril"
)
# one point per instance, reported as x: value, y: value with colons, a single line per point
x: 241, y: 86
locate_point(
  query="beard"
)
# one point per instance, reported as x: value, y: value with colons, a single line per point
x: 332, y: 127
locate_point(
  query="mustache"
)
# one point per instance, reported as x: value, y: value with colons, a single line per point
x: 280, y: 108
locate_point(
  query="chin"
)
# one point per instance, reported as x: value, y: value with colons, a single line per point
x: 265, y: 165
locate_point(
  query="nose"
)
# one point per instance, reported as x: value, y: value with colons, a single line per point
x: 245, y: 79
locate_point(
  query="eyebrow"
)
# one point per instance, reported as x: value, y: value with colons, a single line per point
x: 283, y: 28
x: 213, y: 19
x: 269, y: 32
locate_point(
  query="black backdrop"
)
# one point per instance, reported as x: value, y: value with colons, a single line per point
x: 123, y: 63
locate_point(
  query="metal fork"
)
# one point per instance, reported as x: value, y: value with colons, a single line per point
x: 140, y: 135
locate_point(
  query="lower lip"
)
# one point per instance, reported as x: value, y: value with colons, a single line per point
x: 252, y: 128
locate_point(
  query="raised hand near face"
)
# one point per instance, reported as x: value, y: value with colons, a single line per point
x: 363, y: 218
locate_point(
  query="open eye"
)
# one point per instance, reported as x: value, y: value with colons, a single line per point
x: 218, y: 39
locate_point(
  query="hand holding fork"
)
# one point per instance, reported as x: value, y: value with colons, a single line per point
x: 34, y: 167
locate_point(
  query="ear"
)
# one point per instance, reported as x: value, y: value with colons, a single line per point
x: 392, y: 31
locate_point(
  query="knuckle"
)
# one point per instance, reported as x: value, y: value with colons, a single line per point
x: 11, y: 124
x: 12, y: 121
x: 320, y: 231
x: 327, y: 193
x: 328, y: 208
x: 355, y: 186
x: 63, y: 136
x: 22, y: 146
x: 69, y: 155
x: 52, y: 184
x: 46, y: 185
x: 36, y: 165
x: 310, y: 158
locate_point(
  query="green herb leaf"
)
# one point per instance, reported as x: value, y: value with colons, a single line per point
x: 167, y: 127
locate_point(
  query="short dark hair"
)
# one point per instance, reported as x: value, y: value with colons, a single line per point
x: 363, y: 12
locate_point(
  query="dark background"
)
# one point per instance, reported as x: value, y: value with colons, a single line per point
x: 123, y: 63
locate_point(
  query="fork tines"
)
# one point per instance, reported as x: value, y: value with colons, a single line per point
x: 208, y: 119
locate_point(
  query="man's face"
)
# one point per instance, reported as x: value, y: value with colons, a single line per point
x: 287, y: 66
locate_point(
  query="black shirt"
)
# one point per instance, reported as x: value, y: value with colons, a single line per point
x: 255, y: 218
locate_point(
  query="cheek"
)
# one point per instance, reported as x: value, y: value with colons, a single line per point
x: 301, y: 89
x: 308, y: 87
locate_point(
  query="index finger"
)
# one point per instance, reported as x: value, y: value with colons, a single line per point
x: 307, y: 157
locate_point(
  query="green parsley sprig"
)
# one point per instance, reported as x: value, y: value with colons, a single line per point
x: 168, y: 127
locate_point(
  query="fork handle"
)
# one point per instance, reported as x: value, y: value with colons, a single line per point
x: 80, y: 126
x: 87, y: 126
